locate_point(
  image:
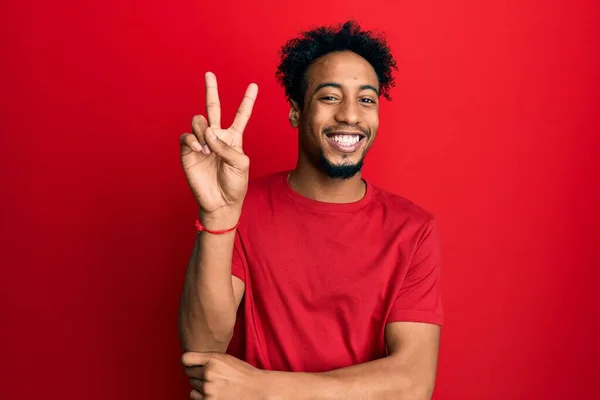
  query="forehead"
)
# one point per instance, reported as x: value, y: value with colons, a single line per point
x: 346, y: 68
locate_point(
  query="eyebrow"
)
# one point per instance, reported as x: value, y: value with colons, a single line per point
x: 338, y: 86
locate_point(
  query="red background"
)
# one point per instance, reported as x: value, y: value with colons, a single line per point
x: 494, y: 127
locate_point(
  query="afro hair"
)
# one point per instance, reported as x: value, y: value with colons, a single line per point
x: 299, y: 53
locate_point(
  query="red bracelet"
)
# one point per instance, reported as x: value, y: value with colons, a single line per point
x: 202, y: 228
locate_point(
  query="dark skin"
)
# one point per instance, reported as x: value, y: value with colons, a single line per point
x: 342, y: 92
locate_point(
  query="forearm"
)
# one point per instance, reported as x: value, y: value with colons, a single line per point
x: 208, y: 308
x: 386, y: 378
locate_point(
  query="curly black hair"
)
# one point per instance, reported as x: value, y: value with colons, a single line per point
x: 299, y: 53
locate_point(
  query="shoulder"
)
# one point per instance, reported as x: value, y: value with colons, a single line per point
x: 402, y: 210
x: 400, y: 205
x: 414, y: 224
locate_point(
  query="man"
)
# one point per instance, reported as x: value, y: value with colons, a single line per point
x: 339, y: 279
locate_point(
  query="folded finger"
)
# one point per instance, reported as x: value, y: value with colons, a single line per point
x: 199, y: 125
x: 197, y: 384
x: 189, y: 143
x: 228, y: 154
x: 195, y: 372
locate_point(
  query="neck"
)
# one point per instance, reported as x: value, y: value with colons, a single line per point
x: 310, y: 182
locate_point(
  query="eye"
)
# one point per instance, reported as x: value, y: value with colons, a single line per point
x: 328, y: 98
x: 367, y: 100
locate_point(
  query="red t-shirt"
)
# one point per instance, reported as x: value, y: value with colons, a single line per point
x: 323, y: 280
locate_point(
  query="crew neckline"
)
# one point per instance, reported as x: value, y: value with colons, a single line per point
x: 321, y: 205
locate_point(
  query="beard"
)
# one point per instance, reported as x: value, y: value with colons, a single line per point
x: 344, y: 171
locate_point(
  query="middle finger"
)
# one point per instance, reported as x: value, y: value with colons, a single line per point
x: 196, y: 372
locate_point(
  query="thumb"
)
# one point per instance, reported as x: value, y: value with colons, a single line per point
x: 192, y: 359
x: 230, y: 155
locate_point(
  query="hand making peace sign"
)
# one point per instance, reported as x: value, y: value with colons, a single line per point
x: 212, y: 157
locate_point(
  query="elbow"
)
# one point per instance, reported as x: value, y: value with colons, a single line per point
x: 204, y: 337
x: 414, y: 381
x: 414, y: 386
x: 421, y: 392
x: 417, y: 390
x: 205, y: 341
x: 221, y: 337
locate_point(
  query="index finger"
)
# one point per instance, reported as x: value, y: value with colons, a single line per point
x: 213, y: 105
x: 245, y: 110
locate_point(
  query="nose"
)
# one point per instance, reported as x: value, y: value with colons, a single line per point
x: 347, y: 112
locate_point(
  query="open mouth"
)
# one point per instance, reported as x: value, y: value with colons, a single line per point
x: 346, y: 142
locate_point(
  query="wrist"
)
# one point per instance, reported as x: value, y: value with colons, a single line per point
x: 225, y: 218
x: 270, y: 385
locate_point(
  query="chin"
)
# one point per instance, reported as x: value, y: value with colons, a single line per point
x: 339, y: 171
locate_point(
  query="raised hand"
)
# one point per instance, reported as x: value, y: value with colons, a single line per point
x: 212, y: 158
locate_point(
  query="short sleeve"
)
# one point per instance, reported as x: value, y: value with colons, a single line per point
x: 419, y: 296
x: 238, y: 261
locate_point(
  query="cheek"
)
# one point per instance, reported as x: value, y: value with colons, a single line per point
x: 373, y: 120
x: 321, y: 117
x: 310, y: 135
x: 373, y: 126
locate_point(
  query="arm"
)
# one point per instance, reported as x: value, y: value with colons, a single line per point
x: 217, y: 171
x: 211, y: 295
x: 408, y: 372
x: 412, y: 337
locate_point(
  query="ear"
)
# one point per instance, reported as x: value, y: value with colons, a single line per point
x: 294, y: 115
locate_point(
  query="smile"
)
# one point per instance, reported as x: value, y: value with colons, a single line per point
x: 345, y: 142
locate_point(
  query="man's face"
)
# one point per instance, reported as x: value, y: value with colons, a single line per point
x: 340, y: 117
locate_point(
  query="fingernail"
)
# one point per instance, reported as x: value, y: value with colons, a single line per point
x: 206, y: 149
x: 196, y: 146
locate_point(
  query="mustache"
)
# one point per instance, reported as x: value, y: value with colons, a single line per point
x: 346, y: 127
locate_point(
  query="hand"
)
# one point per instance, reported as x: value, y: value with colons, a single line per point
x: 221, y: 376
x: 212, y: 158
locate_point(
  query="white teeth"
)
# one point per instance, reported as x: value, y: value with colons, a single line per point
x: 346, y: 140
